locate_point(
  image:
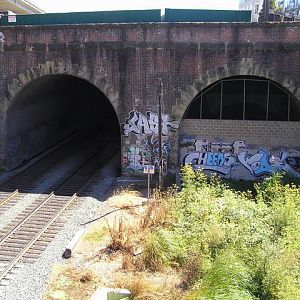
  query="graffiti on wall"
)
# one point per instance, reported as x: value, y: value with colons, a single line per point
x: 2, y: 37
x: 142, y: 147
x: 135, y: 157
x: 139, y: 123
x: 236, y: 160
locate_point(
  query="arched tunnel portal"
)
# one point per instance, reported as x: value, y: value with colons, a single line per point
x: 242, y: 127
x: 52, y: 108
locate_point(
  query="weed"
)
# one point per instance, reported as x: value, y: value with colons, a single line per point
x: 96, y: 235
x: 193, y: 269
x: 156, y: 214
x: 248, y: 248
x: 121, y: 236
x: 226, y: 244
x: 144, y: 286
x: 228, y: 279
x: 137, y: 284
x: 71, y: 283
x: 161, y: 249
x: 128, y: 262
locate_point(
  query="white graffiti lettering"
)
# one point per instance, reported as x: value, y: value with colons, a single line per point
x: 138, y: 123
x: 2, y: 37
x: 213, y: 161
x: 226, y: 158
x: 203, y: 145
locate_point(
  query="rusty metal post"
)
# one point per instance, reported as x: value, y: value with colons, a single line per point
x: 160, y: 161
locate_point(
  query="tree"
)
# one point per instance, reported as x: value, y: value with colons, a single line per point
x: 273, y: 4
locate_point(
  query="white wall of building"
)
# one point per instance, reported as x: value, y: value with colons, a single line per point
x: 254, y: 5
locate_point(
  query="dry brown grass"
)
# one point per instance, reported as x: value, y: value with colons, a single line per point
x: 131, y: 229
x: 71, y: 283
x: 126, y: 232
x: 157, y: 211
x: 125, y: 199
x: 128, y: 191
x: 149, y: 286
x: 128, y: 262
x: 192, y: 270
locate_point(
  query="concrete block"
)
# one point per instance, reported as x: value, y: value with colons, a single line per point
x: 110, y: 294
x: 70, y: 247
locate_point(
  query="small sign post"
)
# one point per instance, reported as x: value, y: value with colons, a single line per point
x: 149, y: 169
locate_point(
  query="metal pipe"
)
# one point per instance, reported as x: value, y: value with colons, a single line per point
x: 160, y: 173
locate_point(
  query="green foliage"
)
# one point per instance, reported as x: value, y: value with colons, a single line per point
x: 270, y: 189
x: 274, y: 6
x: 229, y: 244
x: 161, y: 249
x: 96, y: 235
x: 229, y: 278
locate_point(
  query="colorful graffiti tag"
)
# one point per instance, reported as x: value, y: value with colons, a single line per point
x: 135, y: 157
x: 143, y: 146
x: 237, y: 160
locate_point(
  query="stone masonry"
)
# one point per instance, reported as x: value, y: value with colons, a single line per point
x: 125, y: 61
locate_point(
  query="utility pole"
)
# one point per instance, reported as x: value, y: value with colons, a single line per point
x: 160, y: 161
x: 266, y: 9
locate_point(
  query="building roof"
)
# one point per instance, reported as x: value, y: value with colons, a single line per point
x: 20, y: 7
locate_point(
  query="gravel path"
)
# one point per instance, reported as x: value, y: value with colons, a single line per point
x: 30, y: 282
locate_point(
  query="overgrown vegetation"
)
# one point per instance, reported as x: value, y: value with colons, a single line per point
x: 229, y: 244
x: 225, y: 243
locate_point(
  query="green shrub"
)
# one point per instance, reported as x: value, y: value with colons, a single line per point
x: 162, y: 249
x: 228, y: 278
x: 229, y: 244
x: 270, y: 189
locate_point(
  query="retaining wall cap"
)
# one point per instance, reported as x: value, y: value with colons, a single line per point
x: 110, y: 294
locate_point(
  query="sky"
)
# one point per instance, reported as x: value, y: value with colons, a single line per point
x: 98, y: 5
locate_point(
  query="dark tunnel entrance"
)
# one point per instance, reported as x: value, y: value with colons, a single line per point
x: 51, y: 109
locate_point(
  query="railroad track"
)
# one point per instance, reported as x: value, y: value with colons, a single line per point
x: 26, y: 180
x: 8, y: 200
x: 23, y: 240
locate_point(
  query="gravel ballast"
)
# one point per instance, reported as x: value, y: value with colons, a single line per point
x: 30, y: 281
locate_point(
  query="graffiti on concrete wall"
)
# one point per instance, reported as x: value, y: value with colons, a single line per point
x: 2, y: 37
x: 236, y: 159
x: 142, y: 146
x: 135, y: 157
x: 139, y: 123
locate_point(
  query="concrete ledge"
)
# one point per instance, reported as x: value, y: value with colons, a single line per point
x: 72, y: 244
x: 125, y: 181
x: 110, y: 294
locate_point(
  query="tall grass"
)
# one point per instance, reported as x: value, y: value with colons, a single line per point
x: 224, y: 243
x: 229, y: 244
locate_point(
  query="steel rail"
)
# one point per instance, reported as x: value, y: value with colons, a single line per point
x: 12, y: 195
x: 40, y: 158
x: 35, y: 212
x: 35, y: 238
x: 5, y: 237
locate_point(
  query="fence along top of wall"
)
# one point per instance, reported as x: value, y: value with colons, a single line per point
x: 129, y: 16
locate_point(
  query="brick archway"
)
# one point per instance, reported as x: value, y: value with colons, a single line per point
x: 50, y: 68
x: 246, y: 67
x: 25, y: 85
